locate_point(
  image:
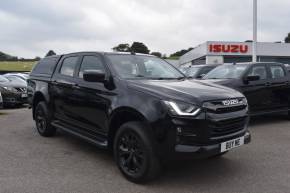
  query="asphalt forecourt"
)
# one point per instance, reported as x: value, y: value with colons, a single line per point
x: 30, y: 163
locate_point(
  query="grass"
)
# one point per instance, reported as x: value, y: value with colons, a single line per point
x: 16, y: 66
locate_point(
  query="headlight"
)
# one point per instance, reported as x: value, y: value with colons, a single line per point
x: 9, y: 88
x: 245, y: 102
x: 183, y: 109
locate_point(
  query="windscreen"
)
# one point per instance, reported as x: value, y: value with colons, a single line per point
x: 136, y: 67
x: 3, y: 79
x: 226, y: 72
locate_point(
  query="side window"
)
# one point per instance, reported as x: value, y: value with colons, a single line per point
x: 258, y: 71
x: 91, y: 63
x: 68, y: 66
x: 277, y: 72
x: 45, y: 66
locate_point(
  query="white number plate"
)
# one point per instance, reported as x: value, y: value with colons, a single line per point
x: 228, y: 145
x: 23, y: 95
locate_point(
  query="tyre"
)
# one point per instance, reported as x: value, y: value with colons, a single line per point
x: 134, y: 153
x: 43, y: 119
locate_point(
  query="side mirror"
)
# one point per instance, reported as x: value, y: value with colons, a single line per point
x: 94, y: 76
x: 252, y: 78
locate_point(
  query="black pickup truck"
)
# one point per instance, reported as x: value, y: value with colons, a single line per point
x: 265, y: 85
x: 139, y: 106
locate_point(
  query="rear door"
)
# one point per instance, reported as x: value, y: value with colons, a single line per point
x: 257, y: 92
x: 62, y: 86
x: 280, y: 89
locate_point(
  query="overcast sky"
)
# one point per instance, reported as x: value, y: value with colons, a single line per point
x: 30, y: 28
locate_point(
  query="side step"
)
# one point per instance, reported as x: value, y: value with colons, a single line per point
x: 74, y: 131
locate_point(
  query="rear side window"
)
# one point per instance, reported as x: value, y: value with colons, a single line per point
x: 91, y: 63
x: 258, y: 71
x: 68, y: 66
x: 277, y: 72
x: 45, y: 66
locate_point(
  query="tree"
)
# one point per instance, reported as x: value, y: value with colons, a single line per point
x: 50, y: 53
x: 158, y: 54
x: 180, y: 53
x: 37, y: 58
x: 7, y: 57
x: 287, y: 39
x: 122, y: 48
x: 139, y: 47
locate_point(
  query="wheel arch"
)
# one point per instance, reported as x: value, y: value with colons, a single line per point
x: 120, y: 116
x: 38, y: 96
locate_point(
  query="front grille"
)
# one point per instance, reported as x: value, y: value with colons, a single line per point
x: 226, y: 127
x: 218, y: 107
x: 230, y: 109
x: 20, y: 89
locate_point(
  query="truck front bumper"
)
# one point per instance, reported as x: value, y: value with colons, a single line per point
x: 191, y: 151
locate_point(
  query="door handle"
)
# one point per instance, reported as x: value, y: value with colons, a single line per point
x: 268, y: 84
x: 75, y: 86
x: 54, y: 82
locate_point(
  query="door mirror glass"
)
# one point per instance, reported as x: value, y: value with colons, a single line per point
x: 94, y: 76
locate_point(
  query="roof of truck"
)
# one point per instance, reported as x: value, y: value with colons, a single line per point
x: 104, y: 53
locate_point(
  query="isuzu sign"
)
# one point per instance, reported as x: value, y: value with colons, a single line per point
x: 229, y: 48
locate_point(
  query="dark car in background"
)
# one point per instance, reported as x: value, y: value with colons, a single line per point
x: 198, y: 71
x: 265, y: 85
x: 13, y: 93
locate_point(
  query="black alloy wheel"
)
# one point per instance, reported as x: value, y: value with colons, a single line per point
x: 134, y: 152
x: 131, y: 153
x: 43, y: 120
x: 40, y: 120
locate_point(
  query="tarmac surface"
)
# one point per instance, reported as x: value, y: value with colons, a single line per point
x: 64, y: 164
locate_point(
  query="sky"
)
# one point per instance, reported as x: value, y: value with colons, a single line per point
x: 30, y: 28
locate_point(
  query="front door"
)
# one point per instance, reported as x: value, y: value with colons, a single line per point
x: 92, y: 98
x: 257, y: 92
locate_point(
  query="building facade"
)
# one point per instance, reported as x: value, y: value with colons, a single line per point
x: 215, y: 52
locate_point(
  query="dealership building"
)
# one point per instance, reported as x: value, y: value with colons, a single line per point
x: 215, y: 52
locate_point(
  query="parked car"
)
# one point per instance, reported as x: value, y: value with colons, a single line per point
x: 23, y: 76
x: 287, y: 67
x: 1, y: 101
x: 139, y: 106
x: 265, y: 85
x: 16, y: 79
x: 183, y: 68
x: 198, y: 71
x: 13, y: 93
